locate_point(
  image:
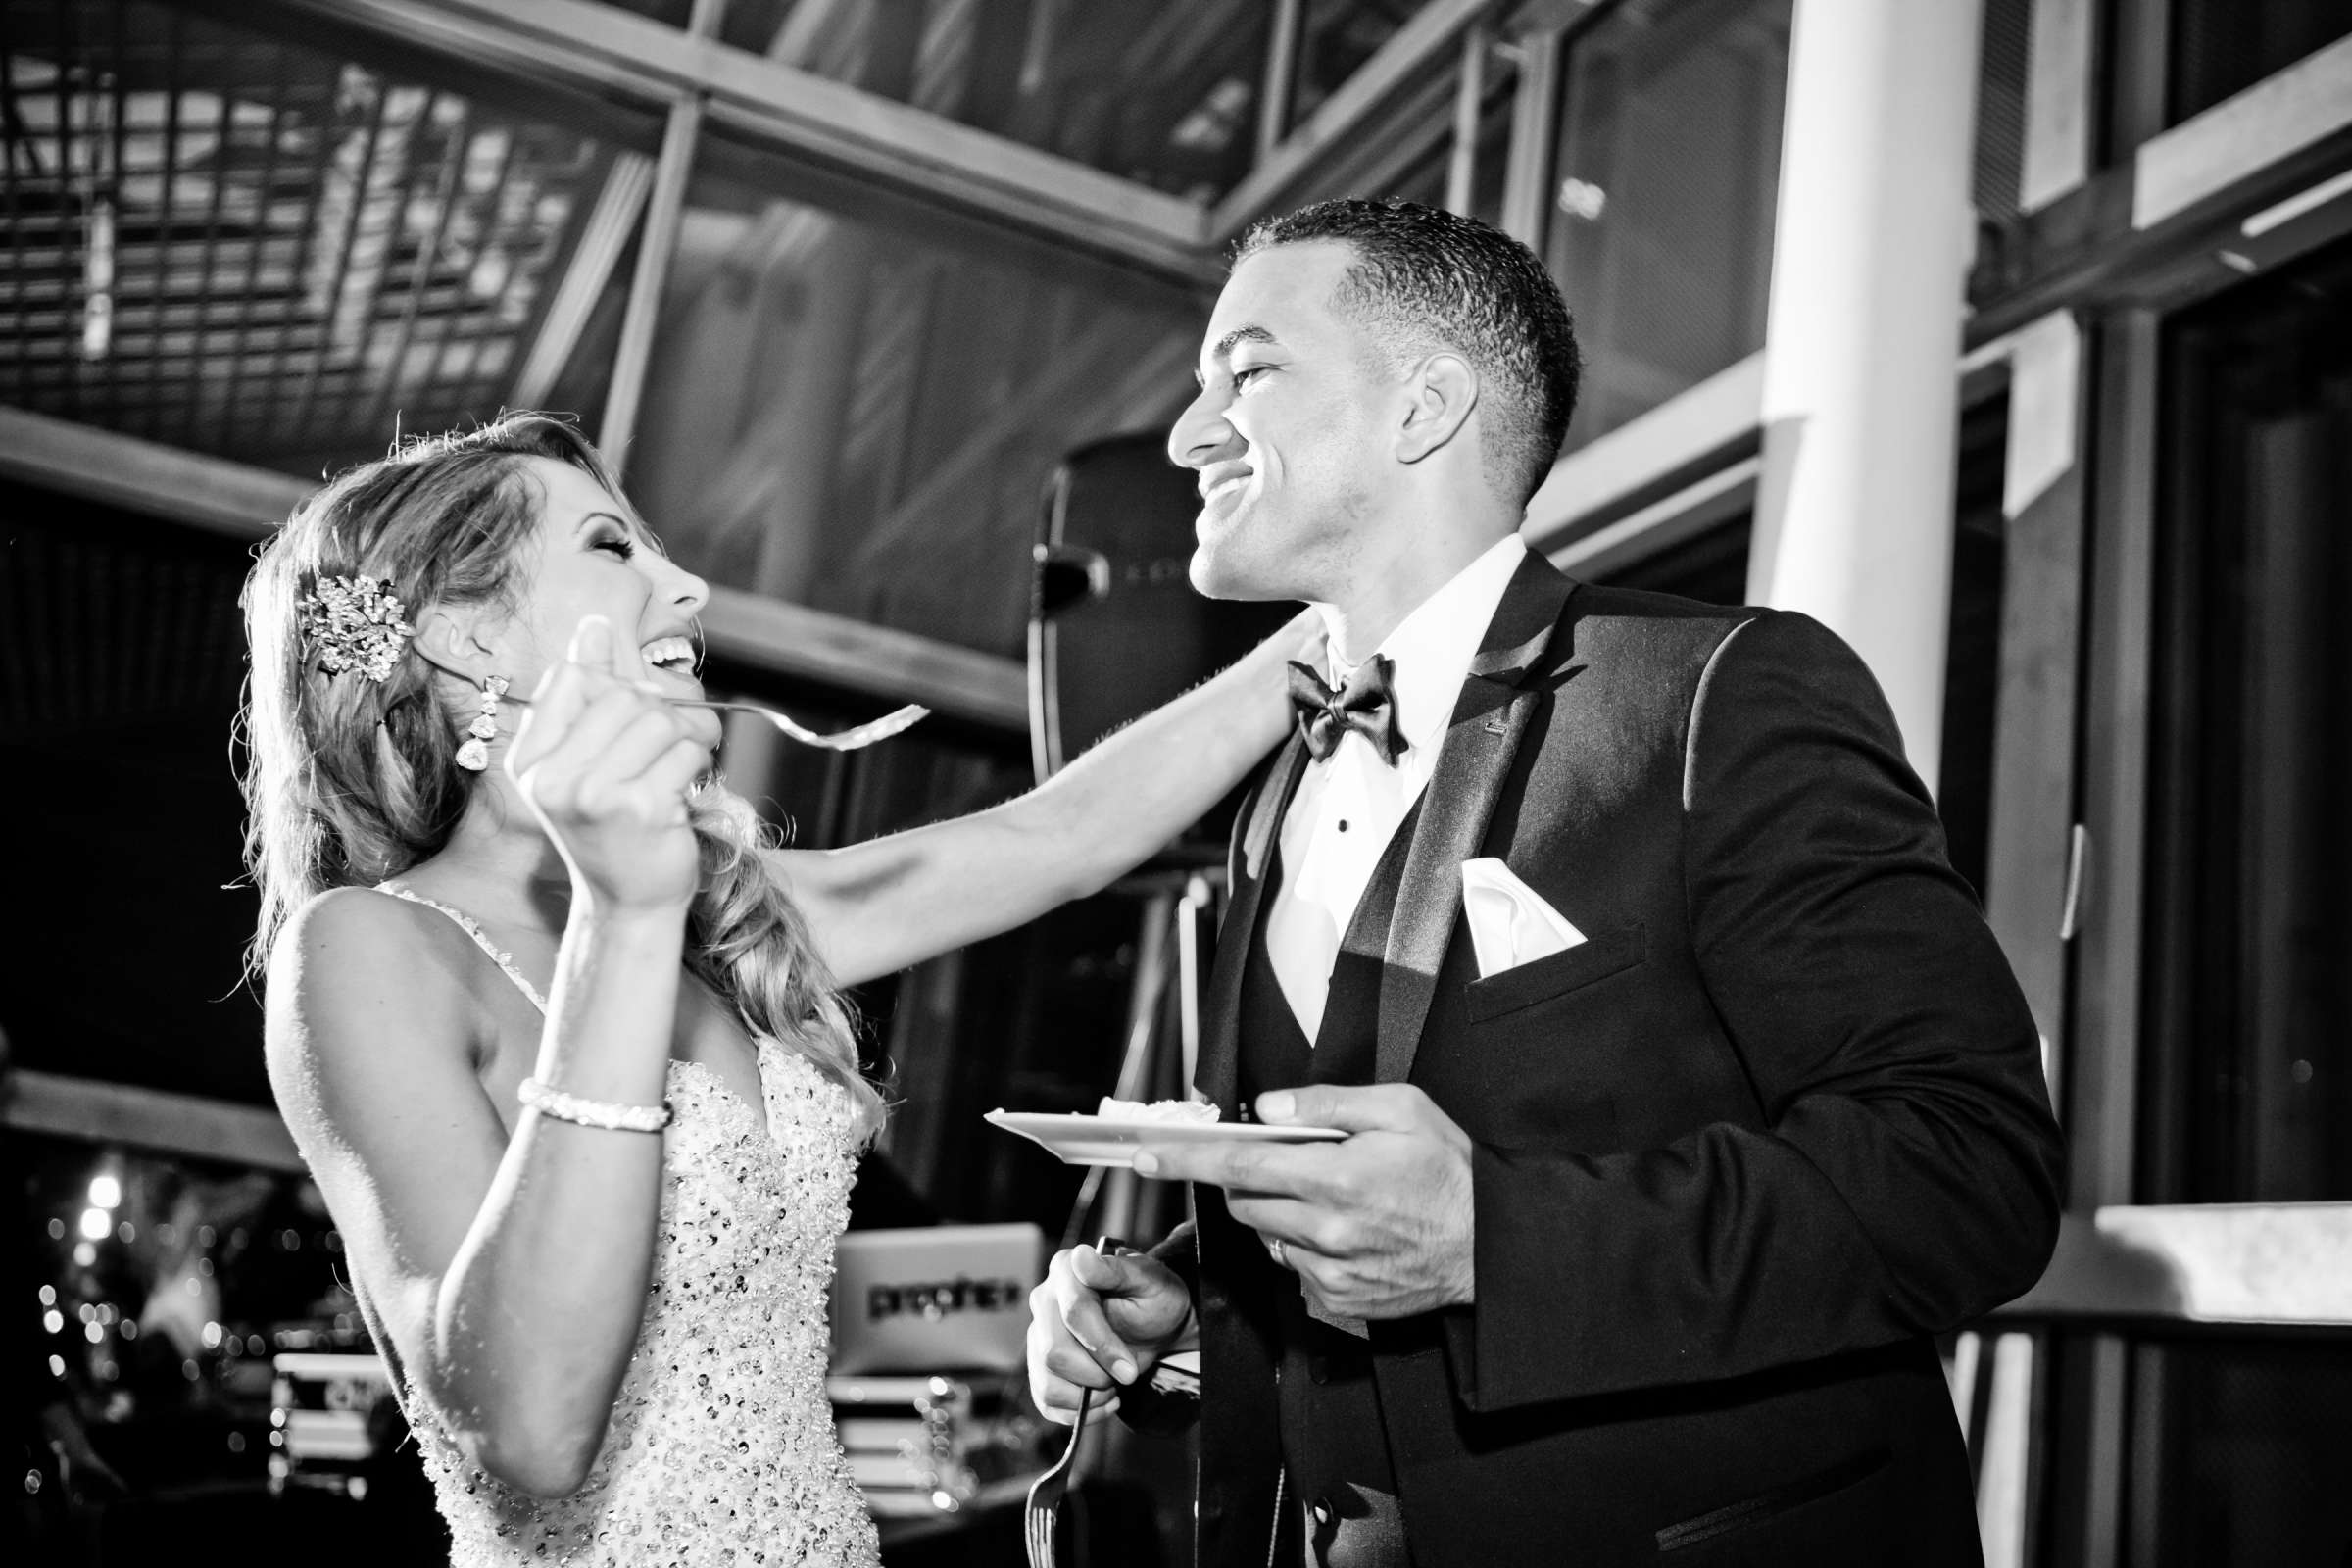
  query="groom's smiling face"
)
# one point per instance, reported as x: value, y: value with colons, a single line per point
x: 1281, y: 435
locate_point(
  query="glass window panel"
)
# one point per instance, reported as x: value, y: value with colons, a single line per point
x: 1425, y: 180
x: 235, y: 242
x: 1404, y: 150
x: 1664, y: 185
x: 1165, y: 94
x: 1335, y: 38
x: 2220, y: 47
x: 2249, y: 964
x: 1493, y: 141
x: 858, y: 413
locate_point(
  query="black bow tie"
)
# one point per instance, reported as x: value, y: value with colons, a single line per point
x: 1364, y: 703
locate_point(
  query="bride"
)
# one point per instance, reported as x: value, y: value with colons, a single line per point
x: 558, y: 1030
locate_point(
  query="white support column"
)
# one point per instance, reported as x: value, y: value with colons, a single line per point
x: 1854, y: 509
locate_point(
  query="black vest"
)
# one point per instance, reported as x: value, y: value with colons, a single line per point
x: 1341, y: 1489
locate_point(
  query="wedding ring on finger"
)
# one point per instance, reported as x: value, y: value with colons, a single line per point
x: 1275, y: 1250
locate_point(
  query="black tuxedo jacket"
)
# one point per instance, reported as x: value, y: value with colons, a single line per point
x: 1777, y: 1120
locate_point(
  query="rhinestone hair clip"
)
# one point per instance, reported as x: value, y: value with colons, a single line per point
x: 356, y: 623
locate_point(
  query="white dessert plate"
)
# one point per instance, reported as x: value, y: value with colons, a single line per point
x: 1113, y: 1141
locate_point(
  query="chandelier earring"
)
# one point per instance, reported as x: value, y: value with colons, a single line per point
x: 474, y: 754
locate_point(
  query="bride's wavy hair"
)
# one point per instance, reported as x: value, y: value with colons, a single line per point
x: 349, y: 781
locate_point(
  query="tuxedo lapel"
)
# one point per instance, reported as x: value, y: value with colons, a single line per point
x: 1218, y: 1073
x: 1473, y: 760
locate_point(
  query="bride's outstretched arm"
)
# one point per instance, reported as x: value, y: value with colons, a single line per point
x: 888, y: 903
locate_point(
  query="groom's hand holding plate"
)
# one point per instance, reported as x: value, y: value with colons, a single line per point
x: 1377, y: 1225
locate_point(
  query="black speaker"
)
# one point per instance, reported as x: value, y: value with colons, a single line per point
x: 1116, y: 628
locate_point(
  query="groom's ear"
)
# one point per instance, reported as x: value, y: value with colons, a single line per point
x: 1439, y: 393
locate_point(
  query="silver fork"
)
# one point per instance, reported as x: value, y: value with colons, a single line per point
x: 848, y: 740
x: 1044, y: 1511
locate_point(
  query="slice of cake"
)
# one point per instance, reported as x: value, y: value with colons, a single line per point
x: 1181, y: 1110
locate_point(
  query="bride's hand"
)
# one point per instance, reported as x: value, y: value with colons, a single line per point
x: 605, y: 766
x: 1304, y: 637
x: 1302, y: 640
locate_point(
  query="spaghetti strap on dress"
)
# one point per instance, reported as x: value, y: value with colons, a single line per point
x: 481, y: 939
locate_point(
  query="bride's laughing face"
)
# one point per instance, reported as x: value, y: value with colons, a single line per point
x: 588, y: 558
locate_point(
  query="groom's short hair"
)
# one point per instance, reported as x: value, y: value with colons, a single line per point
x: 1425, y: 279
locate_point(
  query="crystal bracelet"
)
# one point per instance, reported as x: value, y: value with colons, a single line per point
x: 609, y: 1115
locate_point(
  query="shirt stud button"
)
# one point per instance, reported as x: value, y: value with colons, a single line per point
x: 1342, y: 824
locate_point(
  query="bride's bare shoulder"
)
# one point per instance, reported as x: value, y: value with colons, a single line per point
x: 353, y: 967
x: 350, y: 932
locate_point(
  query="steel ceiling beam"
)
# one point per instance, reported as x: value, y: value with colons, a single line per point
x: 766, y: 634
x: 882, y: 144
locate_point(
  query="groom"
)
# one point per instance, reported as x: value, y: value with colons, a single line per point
x: 1687, y: 1093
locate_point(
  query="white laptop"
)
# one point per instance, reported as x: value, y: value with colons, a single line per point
x: 935, y: 1299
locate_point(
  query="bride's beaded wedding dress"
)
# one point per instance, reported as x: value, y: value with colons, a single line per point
x: 722, y: 1448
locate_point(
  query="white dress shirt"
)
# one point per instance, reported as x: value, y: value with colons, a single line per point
x: 1349, y: 805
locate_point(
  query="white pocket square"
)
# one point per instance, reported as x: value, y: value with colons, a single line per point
x: 1509, y: 925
